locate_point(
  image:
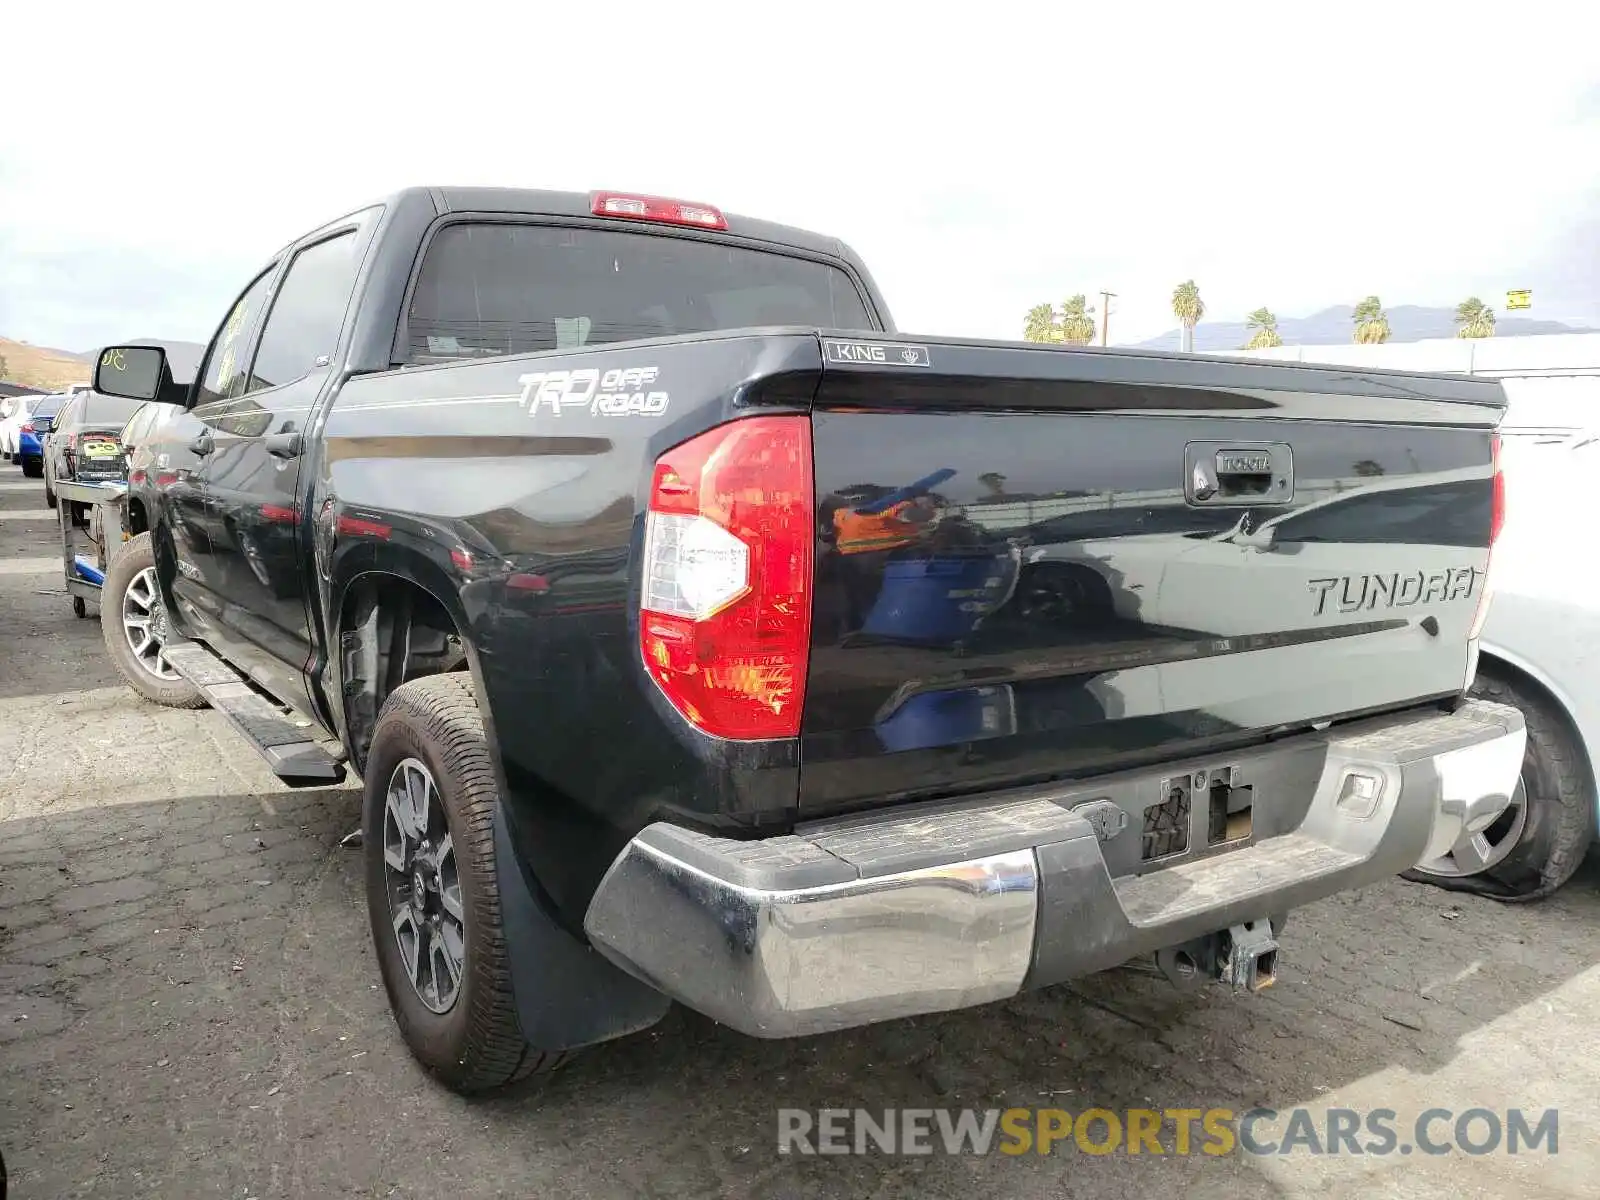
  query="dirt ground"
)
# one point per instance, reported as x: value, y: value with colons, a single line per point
x: 189, y: 1007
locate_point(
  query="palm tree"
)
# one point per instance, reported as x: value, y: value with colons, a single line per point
x: 1188, y: 308
x: 1372, y: 323
x: 1040, y: 324
x: 1077, y: 325
x: 1265, y: 325
x: 1474, y: 318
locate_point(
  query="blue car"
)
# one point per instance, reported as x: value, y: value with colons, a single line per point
x: 30, y: 439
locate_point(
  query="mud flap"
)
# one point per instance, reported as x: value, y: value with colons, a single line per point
x: 568, y: 995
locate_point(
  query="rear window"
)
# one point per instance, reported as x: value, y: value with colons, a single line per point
x: 108, y: 410
x: 489, y: 289
x: 49, y: 406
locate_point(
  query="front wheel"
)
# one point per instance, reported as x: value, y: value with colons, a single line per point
x: 1533, y: 847
x: 432, y: 892
x: 133, y: 622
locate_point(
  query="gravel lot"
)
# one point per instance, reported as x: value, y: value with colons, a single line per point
x: 189, y: 1007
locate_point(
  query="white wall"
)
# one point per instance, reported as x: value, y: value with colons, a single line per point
x: 1550, y: 379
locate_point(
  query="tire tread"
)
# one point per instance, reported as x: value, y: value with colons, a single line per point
x: 1574, y: 800
x: 132, y: 557
x: 442, y: 710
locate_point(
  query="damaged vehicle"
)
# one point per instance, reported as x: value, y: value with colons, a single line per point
x: 1539, y: 651
x: 697, y: 636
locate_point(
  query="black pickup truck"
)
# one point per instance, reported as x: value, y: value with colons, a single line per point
x: 768, y: 660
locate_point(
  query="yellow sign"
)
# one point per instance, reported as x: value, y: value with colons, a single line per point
x: 1520, y: 298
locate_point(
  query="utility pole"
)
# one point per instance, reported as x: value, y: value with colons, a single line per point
x: 1105, y: 316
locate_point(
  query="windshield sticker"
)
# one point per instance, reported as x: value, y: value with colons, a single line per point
x: 619, y: 392
x: 876, y: 354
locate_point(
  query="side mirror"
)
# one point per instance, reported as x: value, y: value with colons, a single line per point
x: 131, y: 372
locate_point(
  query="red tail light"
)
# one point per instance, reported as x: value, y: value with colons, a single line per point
x: 28, y: 427
x: 725, y: 621
x: 656, y: 208
x: 1497, y: 520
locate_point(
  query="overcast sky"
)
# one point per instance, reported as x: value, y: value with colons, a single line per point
x: 982, y: 157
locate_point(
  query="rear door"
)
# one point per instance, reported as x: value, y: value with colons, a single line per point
x: 251, y: 474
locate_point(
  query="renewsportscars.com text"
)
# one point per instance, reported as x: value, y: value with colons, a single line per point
x: 1176, y: 1131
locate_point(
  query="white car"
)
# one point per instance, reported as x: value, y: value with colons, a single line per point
x: 1540, y: 650
x: 14, y: 410
x: 1409, y: 531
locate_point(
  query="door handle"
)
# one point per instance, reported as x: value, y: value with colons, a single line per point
x: 284, y: 445
x: 201, y: 444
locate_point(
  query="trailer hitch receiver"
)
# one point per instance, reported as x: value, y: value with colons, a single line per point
x: 1248, y: 958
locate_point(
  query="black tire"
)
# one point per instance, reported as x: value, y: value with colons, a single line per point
x: 31, y: 469
x: 135, y: 556
x: 477, y: 1044
x: 49, y: 496
x: 1064, y: 594
x: 1560, y: 801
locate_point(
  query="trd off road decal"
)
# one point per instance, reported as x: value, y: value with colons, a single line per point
x: 619, y: 392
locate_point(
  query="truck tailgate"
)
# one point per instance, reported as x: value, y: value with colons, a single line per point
x: 1042, y: 563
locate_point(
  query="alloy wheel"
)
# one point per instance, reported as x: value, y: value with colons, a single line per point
x: 424, y: 886
x: 1478, y: 852
x: 144, y: 624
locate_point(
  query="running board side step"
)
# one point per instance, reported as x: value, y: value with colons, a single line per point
x: 295, y: 749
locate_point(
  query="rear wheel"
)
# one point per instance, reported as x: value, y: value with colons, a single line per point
x: 133, y: 623
x: 432, y: 892
x: 1538, y: 842
x: 32, y: 468
x: 1064, y: 594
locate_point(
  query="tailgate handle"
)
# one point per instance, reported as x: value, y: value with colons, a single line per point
x: 1244, y: 473
x: 1253, y: 474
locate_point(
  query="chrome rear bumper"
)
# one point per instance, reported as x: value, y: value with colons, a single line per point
x: 938, y: 907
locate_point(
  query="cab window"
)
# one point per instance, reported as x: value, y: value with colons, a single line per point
x: 224, y: 374
x: 302, y: 330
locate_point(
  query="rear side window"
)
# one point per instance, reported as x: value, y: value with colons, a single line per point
x: 135, y: 425
x: 302, y: 330
x: 489, y: 289
x: 107, y: 410
x: 1442, y: 514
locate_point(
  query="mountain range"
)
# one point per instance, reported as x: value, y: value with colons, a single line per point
x: 1407, y: 323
